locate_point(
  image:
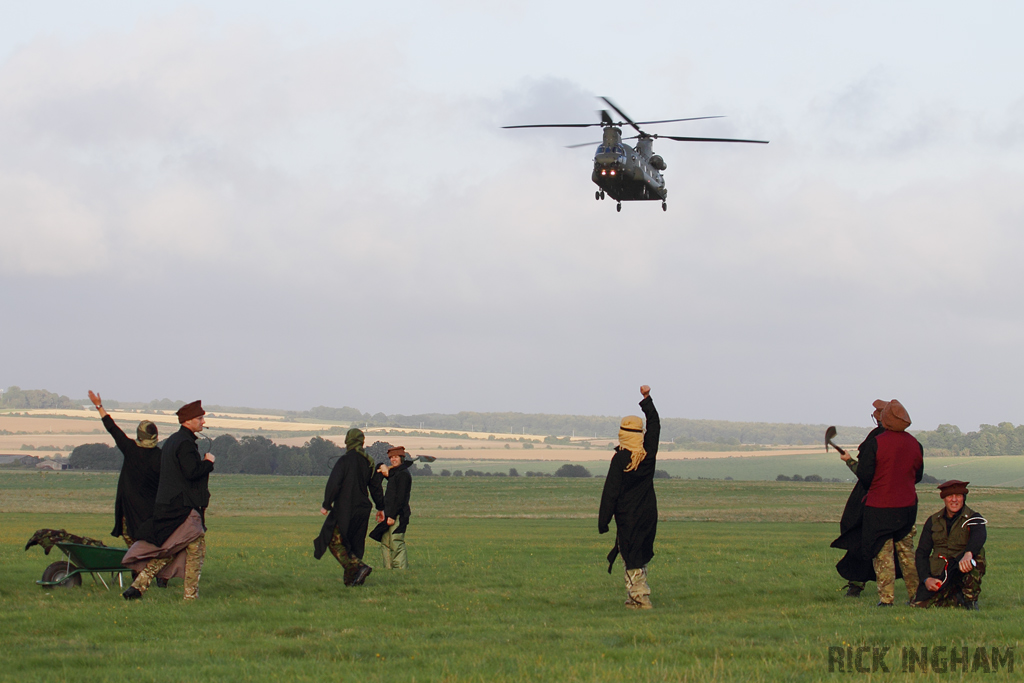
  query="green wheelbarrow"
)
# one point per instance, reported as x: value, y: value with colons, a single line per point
x: 84, y: 559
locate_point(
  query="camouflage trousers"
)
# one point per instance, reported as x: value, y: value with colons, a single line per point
x: 195, y: 555
x: 885, y: 567
x: 637, y: 591
x: 957, y: 589
x: 350, y: 563
x: 128, y: 540
x: 392, y: 549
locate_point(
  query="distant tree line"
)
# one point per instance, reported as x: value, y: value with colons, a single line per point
x: 1001, y: 439
x: 29, y: 399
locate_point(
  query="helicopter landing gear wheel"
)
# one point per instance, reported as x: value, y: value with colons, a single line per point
x: 618, y: 207
x: 602, y: 194
x: 664, y: 206
x: 597, y: 196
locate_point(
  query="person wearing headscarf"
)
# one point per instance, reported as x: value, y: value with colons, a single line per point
x: 629, y: 498
x: 174, y: 538
x: 890, y: 467
x: 140, y: 474
x: 347, y: 508
x: 951, y: 553
x: 394, y: 519
x: 854, y: 567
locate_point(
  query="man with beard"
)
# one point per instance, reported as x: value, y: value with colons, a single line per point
x: 140, y: 474
x: 853, y: 566
x: 889, y: 467
x: 951, y: 553
x: 347, y: 508
x: 628, y: 496
x: 178, y: 525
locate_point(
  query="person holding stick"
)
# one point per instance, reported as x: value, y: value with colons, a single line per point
x: 629, y: 498
x: 951, y: 553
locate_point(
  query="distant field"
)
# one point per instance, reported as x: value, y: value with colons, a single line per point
x: 507, y: 583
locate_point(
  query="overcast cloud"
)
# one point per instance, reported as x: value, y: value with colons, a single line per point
x: 318, y: 206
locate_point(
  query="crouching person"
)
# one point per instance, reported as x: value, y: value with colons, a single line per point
x: 347, y: 508
x: 951, y: 554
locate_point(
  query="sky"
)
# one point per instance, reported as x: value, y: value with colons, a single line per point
x: 297, y: 204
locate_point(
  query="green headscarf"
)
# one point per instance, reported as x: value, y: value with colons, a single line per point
x: 146, y: 434
x: 354, y: 442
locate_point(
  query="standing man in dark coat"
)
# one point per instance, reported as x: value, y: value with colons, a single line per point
x: 347, y: 508
x: 140, y: 474
x: 390, y: 532
x: 854, y: 567
x: 629, y: 497
x: 179, y: 515
x: 889, y: 467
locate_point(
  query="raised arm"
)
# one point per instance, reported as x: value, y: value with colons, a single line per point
x: 653, y: 434
x: 98, y: 402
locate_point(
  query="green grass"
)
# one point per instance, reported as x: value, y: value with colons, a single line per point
x: 507, y: 582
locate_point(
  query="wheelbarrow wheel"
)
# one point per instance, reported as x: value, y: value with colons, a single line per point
x: 58, y: 571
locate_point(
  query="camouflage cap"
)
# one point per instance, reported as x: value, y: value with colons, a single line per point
x: 146, y: 434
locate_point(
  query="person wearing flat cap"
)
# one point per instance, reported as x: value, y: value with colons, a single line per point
x: 393, y: 520
x: 629, y: 498
x: 140, y: 474
x: 951, y: 553
x: 178, y: 524
x: 890, y: 467
x: 347, y: 508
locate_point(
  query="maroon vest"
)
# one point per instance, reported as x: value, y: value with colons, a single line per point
x: 897, y: 462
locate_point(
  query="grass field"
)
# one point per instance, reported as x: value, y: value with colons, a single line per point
x: 507, y: 582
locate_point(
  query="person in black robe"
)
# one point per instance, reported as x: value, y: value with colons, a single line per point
x: 183, y: 490
x: 394, y: 520
x: 629, y: 498
x: 347, y: 507
x: 854, y: 567
x: 140, y: 474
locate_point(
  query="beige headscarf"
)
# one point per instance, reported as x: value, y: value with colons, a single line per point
x: 146, y: 433
x: 631, y: 438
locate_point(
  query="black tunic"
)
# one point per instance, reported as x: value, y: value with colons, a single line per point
x: 629, y: 498
x: 137, y: 484
x: 346, y: 500
x: 854, y: 566
x: 184, y: 487
x: 396, y: 501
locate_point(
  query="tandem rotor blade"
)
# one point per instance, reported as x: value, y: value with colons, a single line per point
x: 557, y: 125
x: 692, y: 118
x: 622, y: 114
x: 678, y: 138
x: 583, y: 144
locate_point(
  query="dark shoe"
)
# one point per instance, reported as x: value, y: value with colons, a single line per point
x: 853, y: 591
x: 971, y: 605
x: 161, y: 583
x: 361, y: 575
x: 884, y: 604
x: 132, y: 593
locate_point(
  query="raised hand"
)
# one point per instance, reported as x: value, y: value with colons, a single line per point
x: 645, y: 391
x: 95, y: 398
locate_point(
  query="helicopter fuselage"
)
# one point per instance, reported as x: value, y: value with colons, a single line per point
x: 628, y: 174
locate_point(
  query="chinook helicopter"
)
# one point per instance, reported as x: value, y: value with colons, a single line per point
x: 625, y: 173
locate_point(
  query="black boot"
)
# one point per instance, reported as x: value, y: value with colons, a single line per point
x: 132, y: 593
x: 161, y: 583
x: 853, y: 590
x: 361, y: 575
